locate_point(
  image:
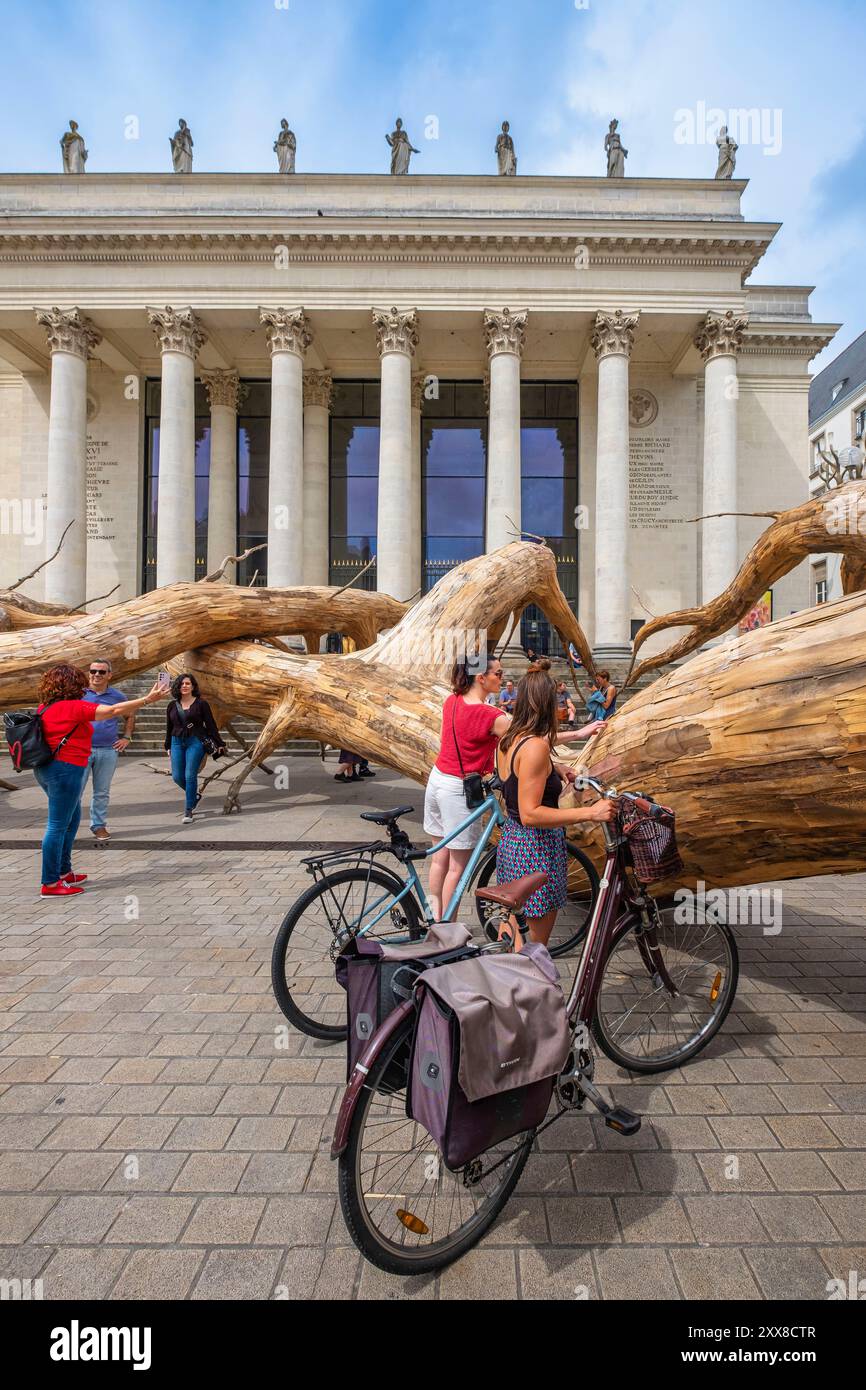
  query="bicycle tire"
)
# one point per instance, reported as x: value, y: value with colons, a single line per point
x: 374, y: 1247
x: 690, y: 1048
x: 282, y: 992
x: 488, y: 867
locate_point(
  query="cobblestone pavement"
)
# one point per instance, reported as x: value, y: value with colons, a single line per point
x: 155, y: 1143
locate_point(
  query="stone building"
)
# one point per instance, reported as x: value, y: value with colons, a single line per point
x: 837, y: 421
x: 191, y: 366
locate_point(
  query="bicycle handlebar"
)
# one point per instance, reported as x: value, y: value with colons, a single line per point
x: 647, y: 805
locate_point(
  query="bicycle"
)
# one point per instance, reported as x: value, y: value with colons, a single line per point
x: 405, y: 1210
x: 343, y: 902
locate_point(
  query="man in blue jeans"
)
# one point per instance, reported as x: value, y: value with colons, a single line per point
x: 108, y: 744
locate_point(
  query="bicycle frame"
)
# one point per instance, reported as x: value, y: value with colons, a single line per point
x: 413, y: 883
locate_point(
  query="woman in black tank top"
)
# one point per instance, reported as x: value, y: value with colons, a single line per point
x: 533, y: 837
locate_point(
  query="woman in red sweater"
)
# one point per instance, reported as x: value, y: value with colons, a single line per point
x: 471, y: 730
x: 67, y: 722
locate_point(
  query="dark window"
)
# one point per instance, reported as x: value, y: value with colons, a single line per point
x: 354, y: 477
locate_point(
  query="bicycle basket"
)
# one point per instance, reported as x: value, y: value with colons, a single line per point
x: 652, y: 841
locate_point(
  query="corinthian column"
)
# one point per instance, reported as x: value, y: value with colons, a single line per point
x: 223, y: 390
x: 397, y: 338
x: 504, y: 334
x: 417, y: 560
x: 180, y: 336
x: 71, y: 339
x: 288, y: 333
x: 719, y: 340
x: 612, y: 341
x: 318, y: 388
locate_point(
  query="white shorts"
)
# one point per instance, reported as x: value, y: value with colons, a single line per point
x: 445, y: 807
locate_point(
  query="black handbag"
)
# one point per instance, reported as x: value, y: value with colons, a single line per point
x: 473, y: 783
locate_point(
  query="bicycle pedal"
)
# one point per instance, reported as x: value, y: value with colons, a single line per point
x: 622, y: 1120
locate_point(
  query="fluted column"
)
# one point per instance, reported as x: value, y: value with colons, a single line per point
x: 397, y: 338
x: 71, y: 339
x: 719, y: 340
x: 223, y: 391
x: 180, y: 336
x: 318, y: 388
x: 504, y: 334
x: 612, y: 341
x: 288, y: 333
x: 416, y: 484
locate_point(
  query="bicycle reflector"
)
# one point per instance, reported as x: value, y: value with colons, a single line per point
x: 412, y: 1223
x: 716, y: 989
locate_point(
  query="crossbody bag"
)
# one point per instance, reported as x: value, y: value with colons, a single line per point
x: 473, y: 783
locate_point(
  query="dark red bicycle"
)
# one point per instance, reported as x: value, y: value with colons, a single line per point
x: 652, y: 992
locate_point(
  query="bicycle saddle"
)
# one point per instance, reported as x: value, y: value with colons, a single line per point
x: 514, y: 895
x: 383, y: 817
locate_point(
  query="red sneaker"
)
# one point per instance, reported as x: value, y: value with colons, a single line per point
x: 73, y: 878
x: 60, y: 889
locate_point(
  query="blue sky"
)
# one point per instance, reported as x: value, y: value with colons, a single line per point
x: 341, y: 70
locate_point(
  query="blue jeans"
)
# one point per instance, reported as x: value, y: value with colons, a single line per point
x: 63, y: 784
x: 102, y: 763
x: 186, y: 759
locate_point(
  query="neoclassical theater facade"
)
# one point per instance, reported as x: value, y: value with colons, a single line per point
x: 414, y: 369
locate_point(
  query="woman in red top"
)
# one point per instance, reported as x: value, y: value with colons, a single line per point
x: 471, y: 730
x: 67, y: 723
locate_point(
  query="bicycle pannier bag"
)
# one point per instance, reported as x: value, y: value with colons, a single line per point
x: 377, y: 977
x: 28, y: 746
x: 490, y: 1039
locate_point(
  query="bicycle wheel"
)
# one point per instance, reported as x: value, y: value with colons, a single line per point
x: 573, y: 920
x: 406, y: 1212
x: 302, y: 965
x: 638, y: 1023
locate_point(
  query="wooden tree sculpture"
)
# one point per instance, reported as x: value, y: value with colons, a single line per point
x: 760, y: 745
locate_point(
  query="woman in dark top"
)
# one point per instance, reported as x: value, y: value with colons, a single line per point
x: 188, y: 722
x: 533, y: 837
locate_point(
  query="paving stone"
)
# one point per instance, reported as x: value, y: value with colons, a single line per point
x: 794, y: 1219
x: 549, y: 1272
x: 803, y: 1131
x: 296, y: 1220
x: 237, y: 1274
x: 714, y: 1274
x: 22, y: 1171
x: 150, y: 1221
x: 582, y: 1220
x: 636, y: 1274
x: 273, y: 1172
x: 211, y: 1172
x: 200, y: 1133
x: 482, y: 1275
x: 263, y: 1132
x: 799, y: 1171
x: 652, y: 1220
x: 77, y: 1220
x: 224, y: 1221
x: 848, y: 1215
x: 669, y: 1171
x: 788, y: 1271
x: 605, y: 1172
x: 140, y: 1132
x: 158, y: 1274
x: 80, y: 1172
x: 77, y: 1274
x: 732, y: 1171
x: 724, y: 1219
x: 849, y: 1168
x: 19, y: 1217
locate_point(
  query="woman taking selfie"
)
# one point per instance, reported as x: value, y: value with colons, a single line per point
x: 67, y: 724
x: 533, y: 837
x: 470, y: 730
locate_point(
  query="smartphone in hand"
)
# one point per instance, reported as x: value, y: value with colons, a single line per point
x: 164, y: 680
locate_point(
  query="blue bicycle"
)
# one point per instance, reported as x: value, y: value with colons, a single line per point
x: 354, y: 893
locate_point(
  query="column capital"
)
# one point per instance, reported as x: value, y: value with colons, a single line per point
x: 396, y: 330
x: 505, y: 331
x: 318, y: 388
x: 223, y: 388
x: 68, y: 330
x: 721, y: 335
x: 177, y: 330
x: 613, y: 334
x: 287, y: 330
